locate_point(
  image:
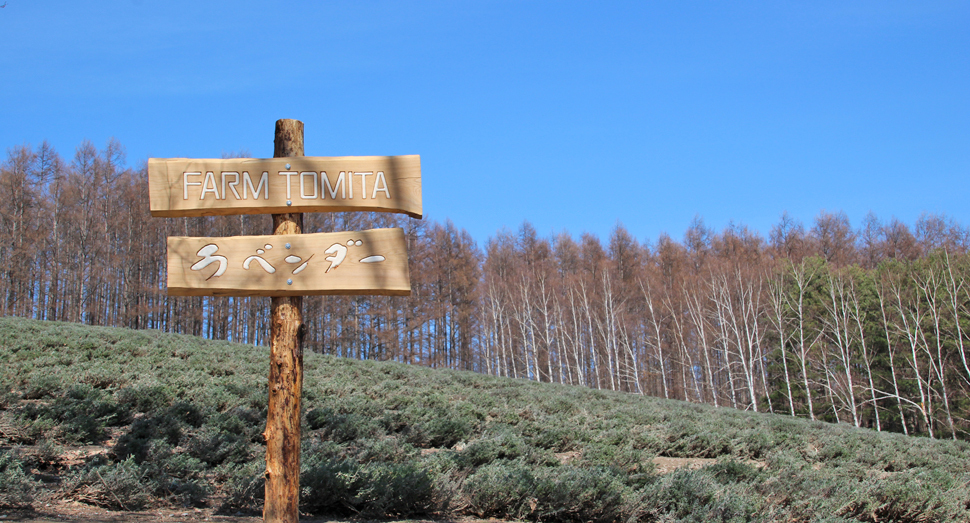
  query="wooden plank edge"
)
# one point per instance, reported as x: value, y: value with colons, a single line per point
x: 231, y: 211
x: 244, y: 293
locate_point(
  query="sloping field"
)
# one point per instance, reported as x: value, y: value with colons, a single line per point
x: 131, y: 420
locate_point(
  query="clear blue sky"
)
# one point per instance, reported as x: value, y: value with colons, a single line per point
x: 572, y: 115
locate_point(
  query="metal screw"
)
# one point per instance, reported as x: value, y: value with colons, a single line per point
x: 289, y: 202
x: 287, y: 167
x: 287, y: 246
x: 289, y: 282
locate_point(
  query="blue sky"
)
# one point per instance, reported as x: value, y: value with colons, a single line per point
x: 572, y: 115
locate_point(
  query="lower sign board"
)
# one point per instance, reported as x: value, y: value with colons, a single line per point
x: 366, y: 262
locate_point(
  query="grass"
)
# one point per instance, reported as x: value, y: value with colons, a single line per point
x: 180, y: 419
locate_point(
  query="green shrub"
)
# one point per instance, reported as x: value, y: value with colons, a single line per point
x: 928, y: 495
x: 552, y: 437
x: 7, y: 399
x: 501, y: 443
x: 393, y: 422
x: 32, y: 429
x: 327, y: 486
x: 79, y: 415
x: 41, y: 387
x: 144, y: 399
x: 444, y: 429
x: 145, y: 434
x: 177, y: 477
x: 17, y: 489
x: 186, y: 412
x: 249, y: 396
x: 121, y: 486
x: 754, y: 444
x: 187, y: 492
x: 447, y: 482
x: 730, y: 471
x: 48, y: 452
x: 501, y: 490
x: 214, y: 446
x: 393, y: 489
x: 579, y: 495
x: 702, y: 444
x: 241, y: 420
x: 341, y: 427
x: 377, y: 489
x: 694, y: 496
x: 314, y: 449
x: 387, y: 450
x: 244, y: 488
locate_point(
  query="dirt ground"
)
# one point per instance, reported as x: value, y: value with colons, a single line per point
x: 75, y: 512
x: 668, y: 465
x: 82, y: 513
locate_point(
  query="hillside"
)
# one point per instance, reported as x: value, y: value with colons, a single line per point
x: 130, y: 419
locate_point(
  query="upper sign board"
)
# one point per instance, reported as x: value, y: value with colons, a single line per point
x: 206, y: 187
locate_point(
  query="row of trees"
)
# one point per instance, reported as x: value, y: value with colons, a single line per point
x: 731, y: 320
x: 77, y: 243
x: 865, y: 326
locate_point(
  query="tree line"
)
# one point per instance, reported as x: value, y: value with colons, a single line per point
x: 866, y: 325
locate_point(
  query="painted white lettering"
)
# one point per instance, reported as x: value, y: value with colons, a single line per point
x: 313, y: 184
x: 288, y: 174
x: 363, y: 183
x: 186, y: 183
x: 263, y: 184
x: 208, y: 259
x: 380, y: 185
x: 209, y: 177
x: 232, y: 185
x: 326, y: 187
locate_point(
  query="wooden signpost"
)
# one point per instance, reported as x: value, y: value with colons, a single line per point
x: 287, y: 265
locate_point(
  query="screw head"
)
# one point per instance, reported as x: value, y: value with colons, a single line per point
x: 287, y: 246
x: 289, y: 282
x: 288, y: 202
x: 287, y: 166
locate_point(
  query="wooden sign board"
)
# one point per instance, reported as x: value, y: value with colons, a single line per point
x: 207, y: 187
x: 365, y: 262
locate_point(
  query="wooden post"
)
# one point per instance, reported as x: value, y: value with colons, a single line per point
x: 286, y: 368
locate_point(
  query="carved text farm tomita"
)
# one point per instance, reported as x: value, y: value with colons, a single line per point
x: 305, y: 185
